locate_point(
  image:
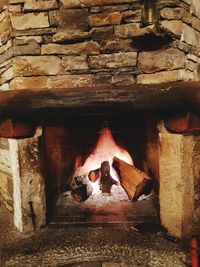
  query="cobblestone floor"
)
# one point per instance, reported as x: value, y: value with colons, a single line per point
x: 119, y: 246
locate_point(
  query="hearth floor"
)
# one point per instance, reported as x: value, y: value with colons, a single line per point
x: 122, y: 246
x: 100, y: 209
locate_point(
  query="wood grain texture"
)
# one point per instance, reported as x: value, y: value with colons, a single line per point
x: 174, y: 96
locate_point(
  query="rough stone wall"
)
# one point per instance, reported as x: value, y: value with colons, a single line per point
x: 53, y: 44
x: 6, y: 183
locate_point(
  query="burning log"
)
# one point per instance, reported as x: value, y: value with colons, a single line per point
x: 106, y: 180
x: 82, y: 193
x: 81, y: 188
x: 94, y: 175
x: 134, y: 181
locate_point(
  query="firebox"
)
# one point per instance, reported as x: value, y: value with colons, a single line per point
x: 102, y: 160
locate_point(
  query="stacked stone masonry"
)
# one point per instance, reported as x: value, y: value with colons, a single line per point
x: 94, y: 42
x: 77, y: 43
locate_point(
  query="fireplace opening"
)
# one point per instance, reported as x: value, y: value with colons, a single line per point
x: 97, y: 166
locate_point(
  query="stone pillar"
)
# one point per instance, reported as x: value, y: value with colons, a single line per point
x: 178, y: 175
x: 28, y: 183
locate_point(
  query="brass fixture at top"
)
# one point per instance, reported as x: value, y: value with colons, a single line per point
x: 150, y: 13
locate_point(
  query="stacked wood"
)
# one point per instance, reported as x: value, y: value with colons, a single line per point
x: 106, y: 180
x: 134, y: 181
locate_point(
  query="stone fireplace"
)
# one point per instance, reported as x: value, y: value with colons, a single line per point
x: 67, y: 67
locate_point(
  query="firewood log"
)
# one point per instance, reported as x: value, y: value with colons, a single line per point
x: 106, y: 180
x: 82, y: 192
x: 81, y: 188
x: 134, y: 181
x: 94, y: 175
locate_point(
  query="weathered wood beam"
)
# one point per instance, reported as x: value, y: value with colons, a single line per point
x: 173, y: 96
x: 186, y: 122
x: 14, y: 128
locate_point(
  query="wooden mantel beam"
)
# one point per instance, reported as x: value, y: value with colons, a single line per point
x: 173, y: 96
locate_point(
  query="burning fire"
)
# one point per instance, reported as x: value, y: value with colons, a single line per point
x: 105, y: 150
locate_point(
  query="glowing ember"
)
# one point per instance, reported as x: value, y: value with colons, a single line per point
x: 105, y: 150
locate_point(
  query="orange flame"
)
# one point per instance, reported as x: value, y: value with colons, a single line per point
x: 105, y: 150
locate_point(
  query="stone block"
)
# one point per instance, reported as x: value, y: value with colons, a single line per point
x: 15, y: 8
x: 19, y: 83
x: 195, y: 8
x: 75, y: 36
x: 16, y: 1
x: 28, y: 185
x: 30, y: 49
x: 36, y: 65
x: 102, y: 33
x: 110, y: 8
x: 102, y: 78
x: 22, y: 40
x: 172, y: 13
x: 176, y: 182
x: 73, y: 19
x: 174, y: 26
x: 5, y: 87
x: 90, y: 3
x: 5, y: 47
x: 131, y: 16
x: 169, y: 3
x: 190, y: 36
x: 168, y: 59
x: 42, y: 31
x: 191, y: 20
x: 130, y: 30
x: 84, y: 48
x: 111, y: 264
x: 70, y: 81
x: 54, y: 18
x: 161, y: 77
x: 29, y: 21
x: 6, y: 76
x: 5, y: 26
x: 40, y: 5
x: 190, y: 65
x: 112, y: 46
x: 74, y: 63
x: 116, y: 60
x: 3, y: 14
x: 105, y: 19
x: 71, y: 3
x: 122, y: 78
x: 6, y: 55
